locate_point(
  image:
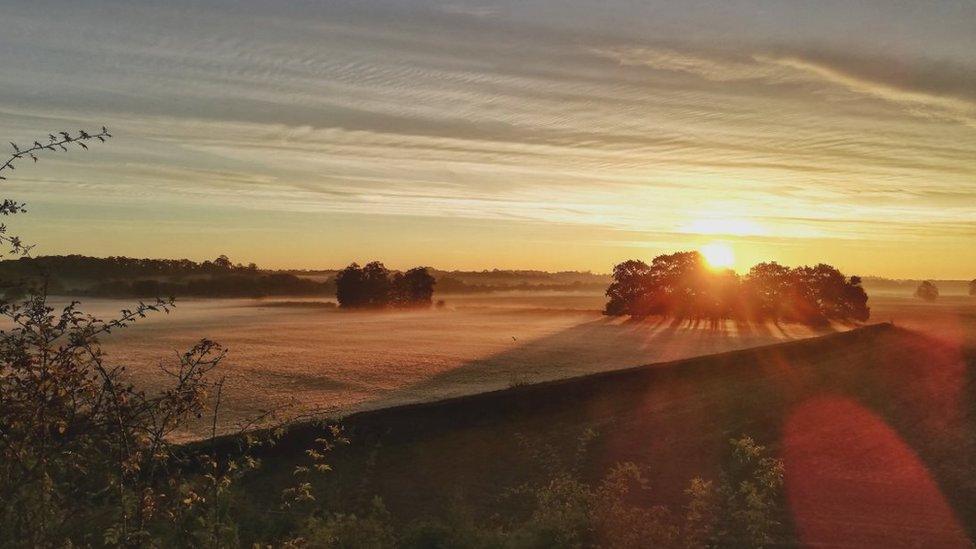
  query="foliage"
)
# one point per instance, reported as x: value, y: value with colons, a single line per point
x: 681, y: 285
x: 374, y: 286
x: 86, y: 458
x: 927, y: 290
x: 743, y: 508
x: 413, y: 288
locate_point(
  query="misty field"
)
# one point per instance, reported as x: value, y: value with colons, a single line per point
x: 310, y: 357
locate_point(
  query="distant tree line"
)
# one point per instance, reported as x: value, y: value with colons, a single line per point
x: 95, y: 268
x: 226, y: 285
x: 374, y: 286
x: 453, y: 285
x: 129, y: 277
x: 681, y: 285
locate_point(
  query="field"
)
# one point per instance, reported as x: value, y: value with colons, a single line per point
x: 315, y: 358
x: 875, y: 427
x: 874, y: 424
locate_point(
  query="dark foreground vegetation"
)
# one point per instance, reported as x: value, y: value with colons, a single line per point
x: 681, y: 285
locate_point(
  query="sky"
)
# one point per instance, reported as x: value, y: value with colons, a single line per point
x: 537, y: 134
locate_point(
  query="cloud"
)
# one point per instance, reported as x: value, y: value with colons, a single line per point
x: 480, y: 11
x: 772, y: 69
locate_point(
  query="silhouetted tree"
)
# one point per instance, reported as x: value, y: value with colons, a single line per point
x: 414, y: 288
x: 855, y: 301
x: 627, y: 291
x: 972, y: 287
x: 927, y: 290
x: 764, y: 288
x: 223, y: 263
x: 821, y: 293
x: 351, y: 287
x: 376, y: 284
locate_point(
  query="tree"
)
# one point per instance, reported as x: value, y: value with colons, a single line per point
x: 855, y: 301
x: 821, y: 293
x: 414, y: 288
x: 627, y: 291
x: 223, y: 263
x: 764, y: 287
x: 972, y: 287
x: 678, y: 284
x: 927, y: 290
x: 351, y: 287
x: 376, y: 284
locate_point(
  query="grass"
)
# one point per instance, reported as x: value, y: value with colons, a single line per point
x: 676, y: 418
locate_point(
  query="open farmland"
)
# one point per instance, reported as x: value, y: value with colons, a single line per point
x: 311, y: 357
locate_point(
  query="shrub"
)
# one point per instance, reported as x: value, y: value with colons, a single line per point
x: 927, y: 291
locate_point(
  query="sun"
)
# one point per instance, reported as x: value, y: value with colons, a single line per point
x: 718, y: 255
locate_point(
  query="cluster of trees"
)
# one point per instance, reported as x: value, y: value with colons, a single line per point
x: 376, y: 287
x: 681, y: 285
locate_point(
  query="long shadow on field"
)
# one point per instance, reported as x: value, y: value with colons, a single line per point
x: 594, y: 346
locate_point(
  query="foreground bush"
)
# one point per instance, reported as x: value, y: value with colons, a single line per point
x: 744, y: 507
x: 86, y: 458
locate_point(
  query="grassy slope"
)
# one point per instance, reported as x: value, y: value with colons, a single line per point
x: 676, y: 418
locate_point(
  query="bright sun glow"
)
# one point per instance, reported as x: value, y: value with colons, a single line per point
x: 724, y: 225
x: 718, y: 255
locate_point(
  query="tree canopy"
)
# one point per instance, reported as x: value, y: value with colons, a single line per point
x: 682, y: 285
x: 927, y: 290
x: 374, y: 286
